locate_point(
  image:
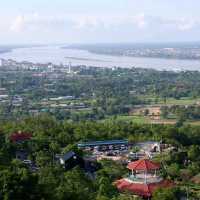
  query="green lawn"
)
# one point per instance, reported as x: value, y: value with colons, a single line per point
x: 194, y: 123
x: 170, y: 101
x: 182, y: 101
x: 135, y: 119
x: 146, y: 120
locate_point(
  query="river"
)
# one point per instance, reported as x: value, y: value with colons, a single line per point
x: 56, y: 55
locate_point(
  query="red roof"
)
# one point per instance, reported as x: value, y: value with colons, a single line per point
x: 142, y: 189
x: 143, y: 165
x: 20, y: 137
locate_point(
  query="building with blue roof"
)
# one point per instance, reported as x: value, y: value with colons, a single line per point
x: 104, y: 144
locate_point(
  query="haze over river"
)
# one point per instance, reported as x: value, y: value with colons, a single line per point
x: 57, y: 55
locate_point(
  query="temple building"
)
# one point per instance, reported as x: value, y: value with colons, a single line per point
x: 144, y: 179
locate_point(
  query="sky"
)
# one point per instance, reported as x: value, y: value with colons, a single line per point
x: 98, y: 21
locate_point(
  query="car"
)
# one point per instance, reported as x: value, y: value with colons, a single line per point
x: 27, y: 162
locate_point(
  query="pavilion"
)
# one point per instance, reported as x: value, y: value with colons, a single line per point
x: 144, y: 179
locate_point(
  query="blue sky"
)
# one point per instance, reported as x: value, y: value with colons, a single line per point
x: 92, y: 21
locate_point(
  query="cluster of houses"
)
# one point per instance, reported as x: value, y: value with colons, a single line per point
x: 122, y: 149
x: 144, y: 177
x: 15, y: 100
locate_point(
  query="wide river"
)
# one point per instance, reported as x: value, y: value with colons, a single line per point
x: 56, y: 55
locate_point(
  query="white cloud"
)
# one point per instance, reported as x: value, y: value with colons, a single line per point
x: 18, y: 24
x: 35, y: 26
x: 140, y: 21
x: 22, y: 22
x: 186, y: 25
x: 91, y: 22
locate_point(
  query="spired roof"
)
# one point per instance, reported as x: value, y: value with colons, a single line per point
x: 143, y: 164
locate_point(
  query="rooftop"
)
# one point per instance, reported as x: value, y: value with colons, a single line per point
x: 68, y: 155
x: 142, y: 189
x: 20, y: 136
x: 106, y: 142
x: 143, y: 164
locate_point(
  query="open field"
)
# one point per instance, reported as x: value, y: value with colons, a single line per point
x: 134, y: 119
x: 170, y: 101
x: 182, y: 101
x: 147, y: 120
x: 193, y: 123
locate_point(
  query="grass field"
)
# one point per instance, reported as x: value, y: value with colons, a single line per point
x: 146, y: 120
x: 127, y: 118
x: 170, y: 101
x: 193, y: 123
x: 135, y: 119
x: 183, y: 101
x: 140, y: 120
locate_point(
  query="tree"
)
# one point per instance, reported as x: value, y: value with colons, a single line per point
x: 164, y: 112
x: 173, y: 170
x: 194, y: 153
x: 74, y: 185
x: 105, y: 188
x: 146, y: 112
x: 165, y: 194
x: 126, y: 197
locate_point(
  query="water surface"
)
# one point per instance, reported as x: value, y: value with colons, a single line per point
x: 57, y: 55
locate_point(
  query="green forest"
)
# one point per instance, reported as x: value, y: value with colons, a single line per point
x: 60, y: 110
x: 51, y: 181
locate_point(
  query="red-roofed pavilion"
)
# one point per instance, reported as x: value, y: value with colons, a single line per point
x: 143, y: 164
x: 143, y: 169
x: 143, y: 180
x: 141, y: 189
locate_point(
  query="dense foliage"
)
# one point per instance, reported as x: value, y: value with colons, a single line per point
x: 96, y: 92
x: 53, y: 182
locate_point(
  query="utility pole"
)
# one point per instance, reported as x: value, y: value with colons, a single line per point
x: 187, y: 192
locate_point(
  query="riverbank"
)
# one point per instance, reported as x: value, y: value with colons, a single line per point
x: 58, y: 54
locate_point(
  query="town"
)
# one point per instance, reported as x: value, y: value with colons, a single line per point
x: 191, y: 51
x: 77, y: 93
x: 111, y: 133
x: 99, y: 100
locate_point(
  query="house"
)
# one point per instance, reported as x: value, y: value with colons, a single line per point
x: 21, y: 155
x: 70, y: 160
